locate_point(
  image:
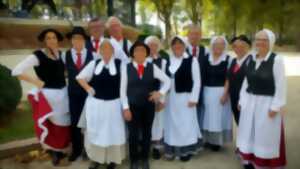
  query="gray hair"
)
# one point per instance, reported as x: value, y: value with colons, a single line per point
x: 153, y: 39
x: 113, y: 19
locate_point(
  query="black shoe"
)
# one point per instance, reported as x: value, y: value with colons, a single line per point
x: 73, y: 157
x: 134, y: 165
x: 185, y: 158
x: 94, y: 165
x: 249, y: 166
x: 215, y: 147
x: 145, y: 164
x: 111, y: 166
x: 156, y: 154
x: 56, y: 157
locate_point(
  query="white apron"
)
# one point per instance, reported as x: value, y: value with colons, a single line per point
x: 217, y: 117
x: 105, y: 125
x: 257, y: 133
x: 158, y: 125
x: 181, y: 124
x: 59, y: 102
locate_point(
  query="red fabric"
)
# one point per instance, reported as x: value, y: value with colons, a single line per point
x: 194, y: 52
x: 275, y: 162
x: 58, y: 136
x: 141, y: 70
x: 236, y: 68
x: 96, y: 44
x: 79, y: 61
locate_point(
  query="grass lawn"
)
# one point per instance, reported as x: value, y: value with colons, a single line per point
x: 17, y: 125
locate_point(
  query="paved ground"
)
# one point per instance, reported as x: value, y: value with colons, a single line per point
x: 225, y: 159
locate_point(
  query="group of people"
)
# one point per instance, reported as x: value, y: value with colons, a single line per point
x: 118, y: 92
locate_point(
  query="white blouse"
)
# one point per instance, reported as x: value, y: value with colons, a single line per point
x: 157, y: 73
x: 29, y: 62
x: 87, y: 72
x: 175, y: 63
x: 279, y: 98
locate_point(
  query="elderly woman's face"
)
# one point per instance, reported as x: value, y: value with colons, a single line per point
x: 140, y: 54
x: 178, y: 48
x: 153, y: 48
x: 218, y: 47
x: 262, y: 43
x: 51, y: 40
x: 240, y: 48
x: 106, y: 51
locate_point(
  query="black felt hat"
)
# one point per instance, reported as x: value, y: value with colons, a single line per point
x: 42, y: 35
x: 137, y: 44
x: 77, y: 30
x: 242, y: 38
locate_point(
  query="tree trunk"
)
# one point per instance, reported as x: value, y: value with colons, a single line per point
x: 110, y: 7
x: 132, y: 12
x: 168, y: 29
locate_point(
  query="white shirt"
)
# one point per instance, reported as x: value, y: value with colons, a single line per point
x: 157, y: 73
x: 121, y: 42
x: 175, y: 63
x: 279, y: 98
x: 242, y: 60
x: 83, y: 55
x: 99, y: 43
x: 29, y: 62
x: 190, y: 49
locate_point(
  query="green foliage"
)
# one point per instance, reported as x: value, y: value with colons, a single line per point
x: 10, y: 91
x: 148, y: 29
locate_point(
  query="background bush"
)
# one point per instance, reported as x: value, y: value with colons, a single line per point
x: 10, y: 91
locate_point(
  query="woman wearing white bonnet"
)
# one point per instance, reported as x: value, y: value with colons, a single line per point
x: 154, y: 44
x: 260, y: 137
x: 102, y: 119
x: 182, y: 132
x: 217, y: 120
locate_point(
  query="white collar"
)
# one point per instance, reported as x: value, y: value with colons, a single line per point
x: 265, y: 58
x: 241, y: 61
x: 136, y: 64
x: 184, y: 56
x: 111, y: 67
x: 83, y: 51
x: 220, y: 59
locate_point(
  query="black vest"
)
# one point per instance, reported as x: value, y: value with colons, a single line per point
x: 125, y: 47
x: 50, y: 71
x: 73, y: 85
x: 183, y: 76
x: 106, y: 86
x: 236, y: 78
x: 261, y: 80
x: 215, y: 75
x: 139, y: 89
x: 89, y: 45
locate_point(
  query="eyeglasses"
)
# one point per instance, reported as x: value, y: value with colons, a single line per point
x: 261, y: 40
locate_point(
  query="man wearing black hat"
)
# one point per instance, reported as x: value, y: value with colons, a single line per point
x: 237, y: 71
x: 75, y: 60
